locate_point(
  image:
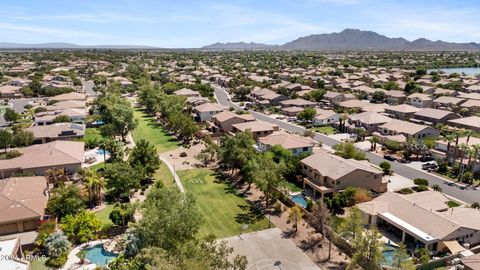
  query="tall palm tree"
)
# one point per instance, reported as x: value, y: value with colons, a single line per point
x: 463, y: 148
x: 471, y: 152
x: 94, y: 185
x: 343, y: 119
x: 295, y: 216
x: 450, y: 138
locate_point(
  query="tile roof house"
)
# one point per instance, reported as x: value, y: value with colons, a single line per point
x: 472, y: 123
x: 432, y: 116
x: 69, y: 96
x: 75, y: 115
x: 402, y: 111
x: 225, y: 120
x: 22, y: 203
x: 420, y: 100
x: 298, y: 102
x: 206, y: 111
x: 395, y: 97
x: 39, y: 158
x: 296, y: 144
x: 407, y: 129
x: 325, y: 117
x: 66, y: 104
x: 187, y: 93
x: 8, y: 91
x: 370, y: 121
x: 447, y: 102
x: 58, y: 131
x: 437, y: 225
x: 257, y: 128
x: 328, y: 174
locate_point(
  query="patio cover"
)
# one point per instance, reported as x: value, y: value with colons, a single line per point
x: 453, y: 246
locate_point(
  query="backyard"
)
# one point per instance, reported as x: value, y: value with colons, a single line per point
x: 327, y: 130
x: 149, y: 130
x: 222, y: 207
x: 103, y: 215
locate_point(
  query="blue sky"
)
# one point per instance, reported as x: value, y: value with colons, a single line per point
x: 189, y: 23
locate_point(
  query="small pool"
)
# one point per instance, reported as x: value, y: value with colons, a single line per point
x: 102, y: 152
x: 388, y: 253
x: 300, y: 200
x: 99, y: 256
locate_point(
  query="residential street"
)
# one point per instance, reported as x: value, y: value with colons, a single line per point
x: 468, y: 196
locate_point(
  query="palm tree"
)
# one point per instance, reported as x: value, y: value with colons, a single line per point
x: 56, y: 244
x: 343, y: 118
x: 295, y: 216
x: 373, y: 141
x: 57, y: 177
x: 449, y: 138
x: 94, y: 185
x: 463, y: 148
x: 471, y: 152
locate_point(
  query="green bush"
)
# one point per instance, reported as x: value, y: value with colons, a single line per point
x: 421, y: 188
x: 406, y: 191
x: 452, y: 204
x: 420, y: 181
x: 57, y: 262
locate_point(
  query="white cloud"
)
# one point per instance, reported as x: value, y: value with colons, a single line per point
x: 53, y: 32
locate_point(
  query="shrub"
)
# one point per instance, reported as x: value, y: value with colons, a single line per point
x: 406, y: 191
x: 421, y: 188
x: 420, y: 181
x: 475, y: 205
x: 386, y: 167
x: 183, y: 154
x: 57, y: 262
x: 452, y: 204
x: 12, y: 154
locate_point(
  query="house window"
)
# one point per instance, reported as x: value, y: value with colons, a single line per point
x: 305, y: 149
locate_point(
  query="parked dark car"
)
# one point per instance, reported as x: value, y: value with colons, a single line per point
x: 389, y: 157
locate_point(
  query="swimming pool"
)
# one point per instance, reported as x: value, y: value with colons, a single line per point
x: 99, y: 256
x: 300, y: 200
x: 388, y: 252
x: 102, y: 152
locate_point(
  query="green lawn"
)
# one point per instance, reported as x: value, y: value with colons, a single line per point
x: 292, y: 187
x: 148, y: 129
x: 223, y: 209
x: 97, y: 166
x: 164, y: 175
x: 92, y: 134
x: 38, y: 265
x: 328, y: 130
x: 103, y: 215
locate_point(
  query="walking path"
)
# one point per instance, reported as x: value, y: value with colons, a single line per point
x: 175, y: 176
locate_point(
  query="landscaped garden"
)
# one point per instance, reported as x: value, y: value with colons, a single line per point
x: 223, y: 208
x: 153, y: 132
x: 327, y: 130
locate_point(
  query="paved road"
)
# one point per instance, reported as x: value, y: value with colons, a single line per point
x: 88, y: 88
x: 466, y: 195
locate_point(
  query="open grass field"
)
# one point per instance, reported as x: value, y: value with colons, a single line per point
x: 92, y: 134
x: 164, y: 175
x: 327, y: 130
x: 224, y: 210
x: 149, y: 130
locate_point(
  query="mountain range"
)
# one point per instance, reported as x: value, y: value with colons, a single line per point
x: 351, y: 39
x: 348, y: 39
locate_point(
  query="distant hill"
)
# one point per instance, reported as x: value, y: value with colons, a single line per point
x: 354, y: 39
x: 239, y: 46
x: 62, y: 45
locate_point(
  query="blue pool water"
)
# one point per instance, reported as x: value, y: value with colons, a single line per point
x: 388, y: 252
x: 99, y: 256
x: 300, y: 200
x: 101, y: 151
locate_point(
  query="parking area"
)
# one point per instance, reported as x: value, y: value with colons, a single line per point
x: 269, y: 250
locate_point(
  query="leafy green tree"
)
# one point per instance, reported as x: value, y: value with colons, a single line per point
x: 170, y: 219
x: 400, y: 257
x: 65, y: 200
x: 316, y: 95
x: 121, y: 179
x: 307, y: 114
x: 144, y: 155
x: 5, y: 139
x: 348, y: 150
x: 411, y: 87
x: 386, y: 167
x: 391, y: 85
x: 117, y: 113
x: 295, y: 216
x: 237, y: 150
x: 23, y: 138
x: 56, y: 244
x: 61, y: 119
x: 379, y: 96
x: 421, y: 256
x: 268, y: 177
x: 10, y: 115
x: 368, y: 250
x: 353, y: 224
x: 122, y: 214
x: 81, y: 227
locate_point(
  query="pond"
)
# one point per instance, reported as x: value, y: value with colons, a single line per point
x: 468, y: 71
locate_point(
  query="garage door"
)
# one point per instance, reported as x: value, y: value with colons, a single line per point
x: 30, y: 225
x: 8, y: 229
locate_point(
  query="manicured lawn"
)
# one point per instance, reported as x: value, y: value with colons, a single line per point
x: 103, y: 215
x: 98, y: 166
x: 292, y: 187
x: 148, y: 129
x: 92, y: 134
x: 164, y: 175
x: 328, y: 130
x: 222, y: 208
x: 38, y: 265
